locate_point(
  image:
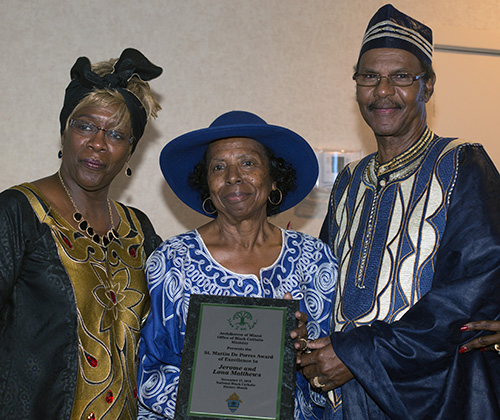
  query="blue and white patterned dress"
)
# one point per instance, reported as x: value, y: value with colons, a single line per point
x: 183, y: 265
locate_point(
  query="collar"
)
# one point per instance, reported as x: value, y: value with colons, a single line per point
x: 402, y: 164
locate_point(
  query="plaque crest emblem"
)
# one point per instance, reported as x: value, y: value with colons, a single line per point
x: 242, y: 321
x: 233, y: 402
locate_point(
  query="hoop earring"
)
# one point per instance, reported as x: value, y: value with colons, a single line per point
x: 205, y: 210
x: 280, y: 199
x: 59, y: 154
x: 128, y: 171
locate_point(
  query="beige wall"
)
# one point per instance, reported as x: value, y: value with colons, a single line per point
x: 290, y: 61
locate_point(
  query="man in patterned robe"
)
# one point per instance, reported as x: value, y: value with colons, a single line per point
x: 415, y: 228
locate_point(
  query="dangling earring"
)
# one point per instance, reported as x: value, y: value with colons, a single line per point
x: 59, y: 154
x: 128, y: 171
x: 211, y: 204
x: 280, y: 199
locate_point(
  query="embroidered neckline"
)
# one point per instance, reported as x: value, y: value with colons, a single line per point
x: 284, y: 241
x: 401, y: 165
x: 404, y: 158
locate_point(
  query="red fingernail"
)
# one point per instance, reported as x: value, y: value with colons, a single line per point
x: 462, y: 349
x: 464, y: 328
x: 483, y: 349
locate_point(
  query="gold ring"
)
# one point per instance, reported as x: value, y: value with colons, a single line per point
x: 497, y: 348
x: 305, y: 349
x: 316, y: 383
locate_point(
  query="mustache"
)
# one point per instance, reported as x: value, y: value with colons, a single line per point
x: 384, y: 103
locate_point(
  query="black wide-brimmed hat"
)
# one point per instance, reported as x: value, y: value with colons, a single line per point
x: 179, y: 157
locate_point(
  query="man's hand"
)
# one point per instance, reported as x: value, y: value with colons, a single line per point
x: 322, y: 368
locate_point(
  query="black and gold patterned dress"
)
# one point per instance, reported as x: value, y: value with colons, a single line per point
x: 70, y: 312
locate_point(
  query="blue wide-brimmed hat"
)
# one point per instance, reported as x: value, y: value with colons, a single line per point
x: 179, y: 157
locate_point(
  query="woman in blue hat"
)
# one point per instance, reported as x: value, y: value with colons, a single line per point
x: 239, y: 171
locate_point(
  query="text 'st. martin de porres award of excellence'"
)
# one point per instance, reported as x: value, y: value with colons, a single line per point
x: 238, y: 360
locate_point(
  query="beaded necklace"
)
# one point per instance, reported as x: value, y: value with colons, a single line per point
x: 85, y: 226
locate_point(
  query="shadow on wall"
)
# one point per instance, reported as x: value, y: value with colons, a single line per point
x: 308, y: 215
x: 183, y: 214
x: 365, y: 136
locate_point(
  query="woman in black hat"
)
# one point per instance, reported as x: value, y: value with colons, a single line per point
x: 72, y: 287
x: 239, y: 171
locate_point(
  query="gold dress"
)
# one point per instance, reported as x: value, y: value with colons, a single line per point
x: 111, y: 301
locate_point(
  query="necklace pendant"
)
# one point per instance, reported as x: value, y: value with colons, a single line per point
x: 90, y: 231
x: 83, y: 225
x: 105, y: 240
x: 77, y: 217
x: 97, y: 239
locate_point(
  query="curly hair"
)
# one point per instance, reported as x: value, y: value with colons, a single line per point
x: 280, y: 171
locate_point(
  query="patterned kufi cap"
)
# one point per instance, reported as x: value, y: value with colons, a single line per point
x: 389, y: 28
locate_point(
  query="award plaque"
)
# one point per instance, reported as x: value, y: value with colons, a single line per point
x: 238, y: 360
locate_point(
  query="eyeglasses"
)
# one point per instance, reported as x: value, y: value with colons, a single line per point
x: 88, y: 129
x: 396, y: 79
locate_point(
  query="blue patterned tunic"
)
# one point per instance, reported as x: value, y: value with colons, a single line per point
x: 182, y: 265
x: 418, y: 245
